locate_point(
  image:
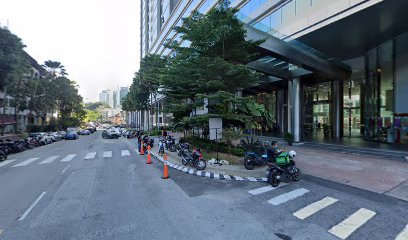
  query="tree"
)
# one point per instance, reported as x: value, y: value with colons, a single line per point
x: 14, y: 70
x: 211, y: 67
x: 56, y: 69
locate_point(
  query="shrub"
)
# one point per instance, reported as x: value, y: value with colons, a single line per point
x: 154, y: 132
x: 212, y: 146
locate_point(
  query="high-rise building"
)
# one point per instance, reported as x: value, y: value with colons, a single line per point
x: 336, y: 65
x: 106, y: 96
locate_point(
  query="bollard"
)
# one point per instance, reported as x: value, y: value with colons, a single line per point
x: 166, y: 168
x: 149, y: 159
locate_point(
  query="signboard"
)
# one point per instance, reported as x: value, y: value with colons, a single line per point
x: 215, y: 125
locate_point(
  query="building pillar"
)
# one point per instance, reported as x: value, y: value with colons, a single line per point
x: 337, y: 114
x: 294, y: 108
x: 280, y: 110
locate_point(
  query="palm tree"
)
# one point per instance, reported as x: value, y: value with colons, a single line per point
x: 56, y: 69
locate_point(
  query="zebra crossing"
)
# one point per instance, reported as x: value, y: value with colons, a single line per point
x: 58, y: 158
x: 349, y: 225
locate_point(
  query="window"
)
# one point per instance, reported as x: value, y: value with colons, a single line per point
x: 270, y: 22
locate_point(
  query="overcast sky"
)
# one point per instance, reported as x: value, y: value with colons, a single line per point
x: 96, y: 40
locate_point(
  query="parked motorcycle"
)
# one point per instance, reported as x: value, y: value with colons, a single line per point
x: 183, y: 147
x: 170, y: 144
x: 3, y: 154
x: 284, y: 169
x: 195, y: 159
x: 252, y: 159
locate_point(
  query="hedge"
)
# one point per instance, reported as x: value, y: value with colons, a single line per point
x: 212, y: 146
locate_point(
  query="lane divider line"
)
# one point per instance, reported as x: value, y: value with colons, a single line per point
x: 125, y: 153
x: 288, y: 196
x: 313, y: 208
x: 26, y: 162
x: 1, y: 231
x: 31, y: 207
x: 352, y: 223
x: 65, y: 169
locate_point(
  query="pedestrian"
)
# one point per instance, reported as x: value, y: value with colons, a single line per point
x: 164, y: 133
x: 139, y: 142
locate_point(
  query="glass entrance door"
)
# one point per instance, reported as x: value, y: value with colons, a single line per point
x: 316, y: 111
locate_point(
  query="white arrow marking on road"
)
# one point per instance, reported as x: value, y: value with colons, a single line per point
x: 352, y: 223
x: 90, y: 155
x: 288, y: 196
x: 403, y: 235
x: 68, y: 158
x: 1, y: 231
x: 313, y: 208
x: 32, y: 206
x: 6, y: 162
x: 261, y: 190
x: 26, y: 162
x: 125, y: 153
x: 49, y: 160
x: 107, y: 154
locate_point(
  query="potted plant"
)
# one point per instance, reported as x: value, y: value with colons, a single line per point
x: 289, y: 138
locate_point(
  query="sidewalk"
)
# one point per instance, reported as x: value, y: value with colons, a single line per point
x: 383, y: 176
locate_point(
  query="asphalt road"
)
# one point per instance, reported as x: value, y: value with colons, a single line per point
x: 103, y: 190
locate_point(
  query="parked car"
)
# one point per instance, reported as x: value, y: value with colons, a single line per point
x: 42, y: 137
x: 110, y: 134
x: 71, y: 136
x: 56, y: 136
x: 85, y: 132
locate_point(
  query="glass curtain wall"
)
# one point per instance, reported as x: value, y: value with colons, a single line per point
x: 379, y: 94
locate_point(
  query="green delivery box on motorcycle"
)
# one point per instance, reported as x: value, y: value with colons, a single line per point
x: 282, y: 158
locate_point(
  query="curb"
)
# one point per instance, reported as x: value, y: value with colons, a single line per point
x: 208, y: 174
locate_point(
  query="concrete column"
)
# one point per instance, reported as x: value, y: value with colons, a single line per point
x: 280, y: 110
x: 337, y: 109
x: 294, y: 102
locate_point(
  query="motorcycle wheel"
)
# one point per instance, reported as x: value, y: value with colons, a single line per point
x: 249, y: 163
x: 201, y: 165
x: 179, y: 153
x: 184, y: 161
x: 296, y: 174
x: 172, y: 148
x: 273, y: 179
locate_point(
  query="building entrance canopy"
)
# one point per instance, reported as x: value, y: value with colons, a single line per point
x: 287, y: 59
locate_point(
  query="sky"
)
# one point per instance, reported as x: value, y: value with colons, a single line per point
x: 98, y: 41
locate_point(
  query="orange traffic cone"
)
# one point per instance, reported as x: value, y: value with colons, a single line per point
x: 166, y: 168
x: 149, y: 159
x: 141, y: 150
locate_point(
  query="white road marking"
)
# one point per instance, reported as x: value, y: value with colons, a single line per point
x: 227, y: 177
x: 49, y: 160
x: 1, y: 231
x: 26, y: 162
x: 125, y: 153
x: 238, y: 178
x: 352, y: 223
x: 403, y: 235
x: 6, y: 162
x: 252, y: 179
x: 288, y: 196
x: 216, y: 176
x: 32, y: 206
x: 68, y: 158
x: 199, y: 173
x: 90, y: 155
x: 261, y: 190
x: 107, y: 154
x: 313, y: 208
x: 65, y: 169
x: 191, y: 171
x: 207, y: 174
